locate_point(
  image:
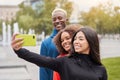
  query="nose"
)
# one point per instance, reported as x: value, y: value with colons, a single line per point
x: 65, y: 41
x: 57, y: 20
x: 76, y: 41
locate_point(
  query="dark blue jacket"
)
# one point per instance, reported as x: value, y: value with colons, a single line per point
x: 48, y: 49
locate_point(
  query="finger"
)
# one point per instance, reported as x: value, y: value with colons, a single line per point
x: 14, y: 35
x: 17, y: 46
x: 17, y: 40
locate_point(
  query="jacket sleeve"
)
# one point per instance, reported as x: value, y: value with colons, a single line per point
x: 39, y: 60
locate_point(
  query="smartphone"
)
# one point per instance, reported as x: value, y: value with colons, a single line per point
x: 28, y: 39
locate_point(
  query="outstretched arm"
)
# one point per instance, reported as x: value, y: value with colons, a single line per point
x: 42, y: 61
x: 32, y: 57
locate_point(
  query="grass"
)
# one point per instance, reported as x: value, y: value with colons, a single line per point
x: 113, y: 67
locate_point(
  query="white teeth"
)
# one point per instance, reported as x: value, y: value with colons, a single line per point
x: 66, y: 45
x: 77, y: 46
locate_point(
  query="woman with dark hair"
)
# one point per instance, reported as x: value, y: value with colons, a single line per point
x: 65, y: 36
x: 63, y: 43
x: 91, y: 37
x: 83, y: 63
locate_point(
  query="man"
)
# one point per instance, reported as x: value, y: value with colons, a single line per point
x: 59, y: 19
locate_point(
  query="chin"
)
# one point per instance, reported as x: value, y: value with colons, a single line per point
x: 77, y: 51
x: 58, y: 29
x: 67, y: 49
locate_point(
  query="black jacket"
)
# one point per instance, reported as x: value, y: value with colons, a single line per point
x: 76, y: 67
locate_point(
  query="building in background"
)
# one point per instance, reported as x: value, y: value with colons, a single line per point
x: 8, y: 9
x: 8, y: 12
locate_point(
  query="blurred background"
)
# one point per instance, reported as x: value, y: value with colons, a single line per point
x: 34, y: 17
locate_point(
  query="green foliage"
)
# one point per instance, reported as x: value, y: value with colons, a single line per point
x: 116, y: 22
x: 25, y: 17
x: 113, y: 68
x: 40, y: 19
x: 45, y: 16
x: 66, y: 5
x: 25, y: 10
x: 103, y: 18
x: 26, y: 22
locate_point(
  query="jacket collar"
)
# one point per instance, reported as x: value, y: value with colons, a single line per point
x: 54, y: 32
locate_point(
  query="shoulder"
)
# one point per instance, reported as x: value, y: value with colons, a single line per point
x: 62, y: 55
x: 47, y: 40
x: 63, y: 58
x: 103, y: 68
x: 100, y: 69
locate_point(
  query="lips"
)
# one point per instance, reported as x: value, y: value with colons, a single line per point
x: 66, y: 46
x: 77, y: 47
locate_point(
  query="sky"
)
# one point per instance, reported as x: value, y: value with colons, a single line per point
x: 10, y: 2
x: 82, y: 5
x: 85, y: 5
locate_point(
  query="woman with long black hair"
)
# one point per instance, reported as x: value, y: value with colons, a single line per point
x: 84, y: 62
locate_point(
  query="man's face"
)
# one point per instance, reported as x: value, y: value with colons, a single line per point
x: 59, y: 20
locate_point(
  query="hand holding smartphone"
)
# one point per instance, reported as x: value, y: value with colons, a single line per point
x: 28, y: 39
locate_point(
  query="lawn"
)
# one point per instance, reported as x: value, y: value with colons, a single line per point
x: 113, y: 67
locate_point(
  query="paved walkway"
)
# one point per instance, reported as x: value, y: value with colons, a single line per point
x: 13, y: 68
x: 109, y: 48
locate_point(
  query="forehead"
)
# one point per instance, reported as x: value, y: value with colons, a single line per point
x: 63, y: 34
x: 58, y: 13
x: 80, y: 33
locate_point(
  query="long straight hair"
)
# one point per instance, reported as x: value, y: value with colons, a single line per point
x: 93, y: 41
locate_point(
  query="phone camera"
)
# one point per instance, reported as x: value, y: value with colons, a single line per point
x: 33, y: 37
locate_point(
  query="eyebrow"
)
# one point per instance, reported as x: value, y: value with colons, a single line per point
x: 79, y: 36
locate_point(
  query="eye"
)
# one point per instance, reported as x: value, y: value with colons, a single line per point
x: 81, y: 39
x: 67, y: 38
x: 60, y: 18
x: 54, y: 19
x: 62, y: 40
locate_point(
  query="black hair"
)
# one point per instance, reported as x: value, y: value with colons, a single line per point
x: 93, y: 41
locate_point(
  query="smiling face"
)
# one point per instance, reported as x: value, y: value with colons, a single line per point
x: 59, y: 20
x: 66, y: 41
x: 80, y: 43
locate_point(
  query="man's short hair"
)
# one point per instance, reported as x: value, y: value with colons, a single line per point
x: 59, y: 9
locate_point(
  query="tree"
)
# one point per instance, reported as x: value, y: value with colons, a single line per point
x: 45, y: 11
x: 116, y: 19
x: 25, y: 17
x: 39, y: 18
x: 102, y: 18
